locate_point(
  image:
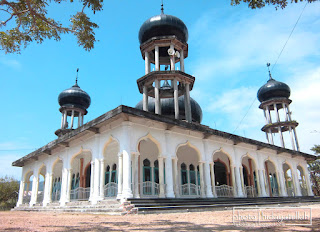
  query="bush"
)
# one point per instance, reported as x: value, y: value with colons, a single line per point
x: 9, y: 190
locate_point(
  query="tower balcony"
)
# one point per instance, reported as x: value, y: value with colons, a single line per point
x: 284, y: 126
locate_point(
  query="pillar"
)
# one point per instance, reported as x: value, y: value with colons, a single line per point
x: 157, y: 97
x: 156, y: 58
x: 92, y: 181
x: 34, y: 193
x: 169, y: 178
x: 238, y: 181
x: 161, y: 177
x: 292, y: 139
x: 69, y: 171
x: 120, y: 175
x: 176, y: 178
x: 213, y: 181
x: 182, y: 60
x: 172, y: 59
x: 21, y: 193
x: 147, y: 62
x: 46, y: 189
x: 296, y: 183
x: 64, y: 119
x: 72, y: 119
x: 80, y: 119
x: 242, y: 181
x: 232, y: 170
x: 50, y: 187
x: 262, y: 184
x: 207, y: 179
x: 176, y: 99
x: 202, y: 186
x: 308, y: 182
x: 136, y: 175
x: 187, y: 103
x: 102, y: 178
x: 145, y: 98
x: 96, y: 190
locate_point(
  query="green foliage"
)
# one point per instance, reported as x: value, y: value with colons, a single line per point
x: 32, y: 24
x: 314, y: 169
x: 9, y: 189
x: 253, y: 4
x: 316, y: 149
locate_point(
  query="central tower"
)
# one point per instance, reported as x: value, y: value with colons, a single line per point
x: 163, y: 45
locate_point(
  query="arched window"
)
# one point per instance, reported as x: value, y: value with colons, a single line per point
x: 107, y: 175
x: 73, y: 181
x: 146, y: 170
x: 184, y: 175
x: 114, y: 174
x: 156, y: 172
x: 192, y: 174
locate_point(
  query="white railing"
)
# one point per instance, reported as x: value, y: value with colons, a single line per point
x: 304, y: 190
x: 190, y: 190
x: 111, y: 189
x: 55, y: 196
x: 249, y: 191
x: 80, y: 194
x: 40, y: 197
x: 150, y: 188
x: 290, y: 192
x: 224, y: 191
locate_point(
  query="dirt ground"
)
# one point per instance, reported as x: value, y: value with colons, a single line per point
x: 214, y: 220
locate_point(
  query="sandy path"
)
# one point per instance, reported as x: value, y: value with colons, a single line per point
x: 220, y: 220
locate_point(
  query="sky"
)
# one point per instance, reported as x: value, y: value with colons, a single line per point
x: 229, y: 47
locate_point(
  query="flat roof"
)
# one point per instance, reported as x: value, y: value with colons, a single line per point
x: 122, y: 109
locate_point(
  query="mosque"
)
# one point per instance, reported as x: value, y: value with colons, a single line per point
x: 160, y: 149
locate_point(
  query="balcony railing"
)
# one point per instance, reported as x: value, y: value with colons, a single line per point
x: 80, y: 194
x: 250, y: 191
x: 224, y: 191
x: 150, y: 188
x: 111, y: 190
x: 190, y: 190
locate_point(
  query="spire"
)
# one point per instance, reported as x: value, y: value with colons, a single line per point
x: 162, y: 7
x: 77, y: 77
x: 270, y: 77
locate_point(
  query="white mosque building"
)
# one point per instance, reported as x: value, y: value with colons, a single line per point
x: 160, y: 149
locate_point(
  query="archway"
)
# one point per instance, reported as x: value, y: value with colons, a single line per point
x: 188, y: 171
x: 250, y: 176
x: 27, y: 188
x: 288, y: 177
x: 81, y: 176
x: 272, y: 179
x: 41, y: 184
x: 302, y: 181
x: 149, y: 174
x: 223, y: 175
x: 110, y: 155
x: 56, y: 180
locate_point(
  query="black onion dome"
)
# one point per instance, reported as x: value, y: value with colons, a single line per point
x: 273, y: 89
x: 167, y: 108
x: 163, y: 25
x: 74, y: 97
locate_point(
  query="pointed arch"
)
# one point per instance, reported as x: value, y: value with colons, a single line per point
x: 187, y: 143
x: 154, y: 140
x: 221, y: 150
x: 109, y: 141
x: 79, y: 153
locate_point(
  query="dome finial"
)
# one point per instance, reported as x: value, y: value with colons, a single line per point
x: 77, y: 76
x: 162, y: 7
x: 268, y: 65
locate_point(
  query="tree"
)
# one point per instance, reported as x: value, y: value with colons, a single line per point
x: 28, y: 21
x: 314, y: 169
x: 253, y: 4
x: 9, y: 189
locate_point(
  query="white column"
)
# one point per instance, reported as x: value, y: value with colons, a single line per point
x: 102, y: 178
x: 176, y: 99
x: 21, y: 192
x: 34, y: 193
x: 262, y: 184
x: 96, y: 190
x: 145, y: 98
x: 69, y: 185
x: 156, y: 58
x: 72, y: 119
x: 238, y: 180
x: 172, y: 59
x: 213, y: 180
x: 120, y: 175
x: 292, y: 139
x: 202, y: 186
x: 176, y: 177
x: 161, y: 177
x: 296, y: 183
x: 233, y: 178
x: 147, y: 62
x: 79, y: 119
x: 307, y: 177
x: 182, y: 60
x: 242, y: 180
x: 50, y: 187
x: 157, y: 97
x: 127, y: 192
x: 207, y: 179
x: 136, y: 175
x: 134, y: 170
x: 82, y: 120
x: 296, y: 137
x: 187, y: 103
x: 92, y: 181
x: 46, y: 189
x: 281, y: 184
x: 169, y: 178
x: 64, y: 119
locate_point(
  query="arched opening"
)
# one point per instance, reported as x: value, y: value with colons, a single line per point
x: 56, y: 181
x: 272, y: 179
x: 223, y: 175
x: 302, y: 181
x: 250, y: 179
x: 81, y: 176
x: 27, y: 188
x: 288, y: 177
x: 149, y: 174
x: 41, y: 184
x: 110, y: 155
x: 188, y: 161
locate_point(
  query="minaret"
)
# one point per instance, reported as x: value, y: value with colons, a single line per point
x: 74, y: 103
x: 163, y: 43
x: 274, y: 98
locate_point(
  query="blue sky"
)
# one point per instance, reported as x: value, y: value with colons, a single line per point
x: 229, y: 47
